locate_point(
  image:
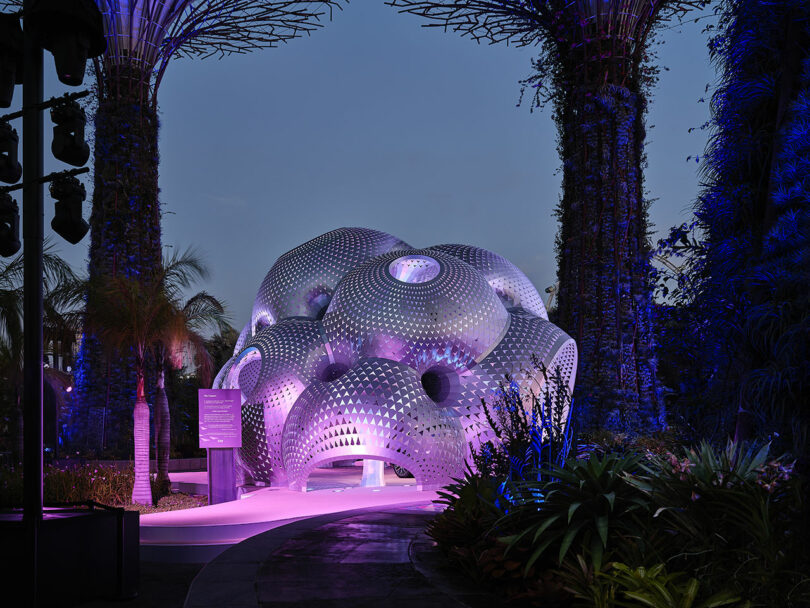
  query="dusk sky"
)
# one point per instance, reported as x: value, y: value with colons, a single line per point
x: 375, y: 121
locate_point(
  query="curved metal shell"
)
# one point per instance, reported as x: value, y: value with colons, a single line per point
x: 301, y: 282
x: 438, y: 311
x: 272, y: 370
x: 530, y: 352
x: 378, y: 410
x: 512, y: 286
x: 409, y: 344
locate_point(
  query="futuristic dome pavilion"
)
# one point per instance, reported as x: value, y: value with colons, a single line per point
x: 360, y: 346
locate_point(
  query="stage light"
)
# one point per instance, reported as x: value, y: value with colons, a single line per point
x: 11, y: 57
x: 9, y: 226
x: 10, y: 168
x: 67, y: 222
x: 68, y: 143
x: 72, y: 30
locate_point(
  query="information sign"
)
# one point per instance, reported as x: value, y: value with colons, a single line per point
x: 220, y: 418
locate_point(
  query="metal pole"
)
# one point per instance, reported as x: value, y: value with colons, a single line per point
x: 32, y: 301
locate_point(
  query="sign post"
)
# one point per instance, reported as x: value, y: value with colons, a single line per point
x: 220, y: 433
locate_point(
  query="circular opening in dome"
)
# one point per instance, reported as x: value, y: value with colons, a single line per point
x: 333, y: 371
x: 244, y: 374
x: 318, y: 303
x: 414, y: 268
x: 260, y: 323
x: 439, y: 383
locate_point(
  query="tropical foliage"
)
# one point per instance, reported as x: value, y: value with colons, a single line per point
x: 743, y: 296
x: 57, y: 329
x: 138, y: 317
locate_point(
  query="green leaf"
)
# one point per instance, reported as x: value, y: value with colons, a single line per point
x: 572, y: 509
x: 611, y: 498
x: 690, y: 593
x: 642, y: 598
x: 723, y: 598
x: 568, y: 539
x: 544, y: 526
x: 602, y: 527
x: 537, y: 553
x: 597, y: 553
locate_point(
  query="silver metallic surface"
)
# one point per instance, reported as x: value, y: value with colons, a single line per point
x: 512, y: 286
x: 360, y: 347
x: 378, y: 409
x: 301, y: 282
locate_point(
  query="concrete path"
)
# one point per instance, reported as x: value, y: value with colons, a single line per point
x: 199, y: 535
x: 366, y: 558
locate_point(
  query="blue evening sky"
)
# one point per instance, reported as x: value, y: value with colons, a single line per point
x: 375, y: 121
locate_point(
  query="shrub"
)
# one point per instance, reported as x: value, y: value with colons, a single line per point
x: 107, y: 485
x: 620, y: 585
x: 587, y: 507
x: 735, y: 519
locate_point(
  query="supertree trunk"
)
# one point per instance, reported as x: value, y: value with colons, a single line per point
x: 125, y: 236
x: 593, y: 65
x: 604, y: 274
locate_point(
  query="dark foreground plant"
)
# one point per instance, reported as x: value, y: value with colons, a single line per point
x: 587, y: 507
x: 620, y: 585
x: 532, y: 431
x: 735, y: 519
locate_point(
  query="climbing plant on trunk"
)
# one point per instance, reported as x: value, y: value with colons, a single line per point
x: 142, y: 38
x: 594, y: 69
x: 752, y: 294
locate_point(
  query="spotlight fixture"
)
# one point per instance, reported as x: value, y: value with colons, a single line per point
x: 67, y: 221
x: 68, y: 134
x: 72, y: 30
x: 11, y: 57
x: 10, y: 168
x: 9, y: 225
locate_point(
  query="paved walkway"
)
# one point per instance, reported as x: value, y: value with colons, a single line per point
x: 361, y: 559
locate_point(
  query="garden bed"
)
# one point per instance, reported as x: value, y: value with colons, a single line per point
x: 106, y: 484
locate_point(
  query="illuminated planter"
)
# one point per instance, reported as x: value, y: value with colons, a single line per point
x: 362, y: 347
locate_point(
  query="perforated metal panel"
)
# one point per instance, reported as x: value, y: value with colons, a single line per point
x: 530, y: 345
x: 410, y: 342
x: 452, y: 319
x: 302, y: 281
x: 512, y: 286
x: 377, y: 409
x: 291, y: 355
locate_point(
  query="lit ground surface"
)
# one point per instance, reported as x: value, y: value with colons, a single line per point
x: 196, y: 535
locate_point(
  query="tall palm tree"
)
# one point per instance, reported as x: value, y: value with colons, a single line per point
x: 134, y: 317
x: 200, y: 312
